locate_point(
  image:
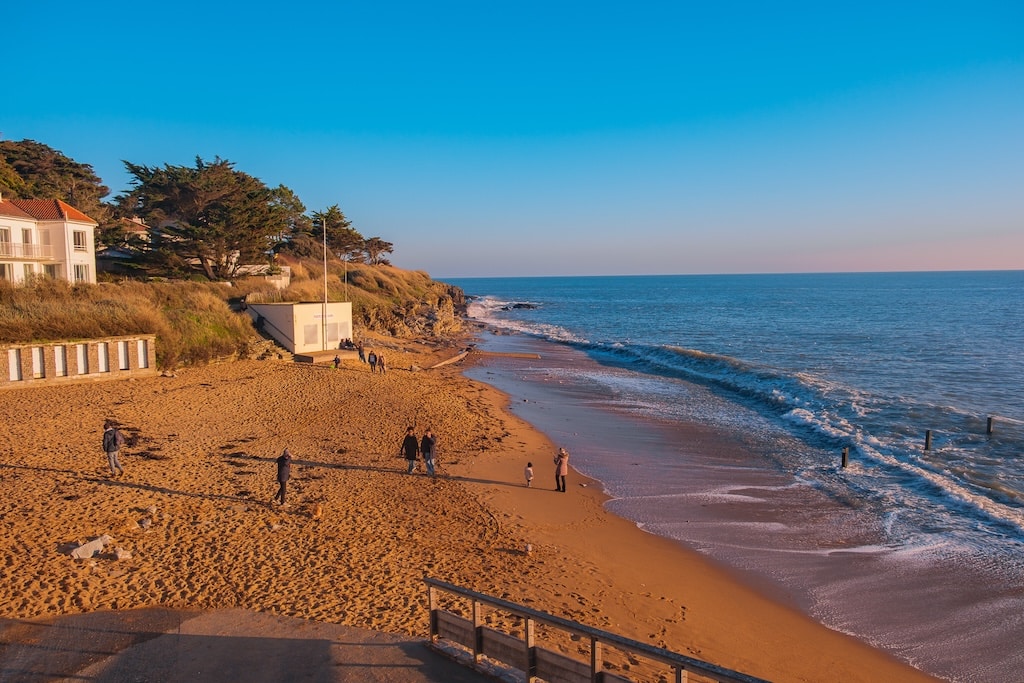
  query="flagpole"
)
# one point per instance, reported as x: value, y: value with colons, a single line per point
x: 323, y: 225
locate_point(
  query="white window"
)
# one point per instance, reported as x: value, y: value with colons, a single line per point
x: 38, y: 362
x: 143, y: 354
x: 60, y: 361
x: 310, y: 334
x: 82, y: 356
x: 81, y: 272
x: 7, y: 272
x: 103, y: 351
x: 122, y: 355
x: 51, y: 269
x: 14, y: 365
x: 5, y: 242
x: 81, y: 243
x: 30, y: 271
x: 26, y: 236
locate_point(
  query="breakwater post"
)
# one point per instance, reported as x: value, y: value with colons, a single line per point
x: 988, y: 429
x: 846, y: 455
x: 928, y: 439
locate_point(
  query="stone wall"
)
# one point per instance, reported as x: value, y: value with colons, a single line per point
x: 39, y: 364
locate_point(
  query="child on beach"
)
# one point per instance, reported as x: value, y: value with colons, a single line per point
x: 528, y: 472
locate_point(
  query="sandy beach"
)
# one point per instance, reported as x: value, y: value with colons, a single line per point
x: 358, y: 534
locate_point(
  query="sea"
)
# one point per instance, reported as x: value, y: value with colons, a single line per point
x: 853, y: 444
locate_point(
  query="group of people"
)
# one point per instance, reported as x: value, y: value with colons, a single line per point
x: 412, y: 448
x: 561, y: 470
x: 375, y: 360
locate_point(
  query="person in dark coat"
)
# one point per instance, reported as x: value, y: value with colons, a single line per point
x: 428, y: 447
x: 284, y: 473
x: 410, y: 448
x: 112, y: 442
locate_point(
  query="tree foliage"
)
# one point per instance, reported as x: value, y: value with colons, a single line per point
x: 375, y: 249
x: 343, y: 241
x: 32, y: 170
x: 209, y: 214
x: 208, y: 218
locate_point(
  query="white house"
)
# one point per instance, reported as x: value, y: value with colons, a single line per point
x: 305, y: 327
x: 45, y: 237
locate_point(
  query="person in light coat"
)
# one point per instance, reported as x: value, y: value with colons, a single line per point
x: 561, y: 469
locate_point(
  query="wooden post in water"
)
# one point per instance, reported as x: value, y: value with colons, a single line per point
x: 846, y: 455
x: 988, y: 429
x: 928, y: 439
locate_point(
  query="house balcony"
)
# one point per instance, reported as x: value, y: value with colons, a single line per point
x: 26, y: 252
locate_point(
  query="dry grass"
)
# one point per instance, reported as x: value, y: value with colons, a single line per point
x: 193, y: 321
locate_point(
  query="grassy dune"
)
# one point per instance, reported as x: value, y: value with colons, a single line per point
x: 196, y: 322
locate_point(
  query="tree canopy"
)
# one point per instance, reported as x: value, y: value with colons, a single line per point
x: 210, y: 214
x: 343, y: 241
x: 32, y: 170
x: 209, y: 217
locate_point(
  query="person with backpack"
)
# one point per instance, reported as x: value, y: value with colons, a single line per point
x: 112, y: 442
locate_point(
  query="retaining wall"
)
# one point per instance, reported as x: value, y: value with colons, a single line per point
x: 44, y: 364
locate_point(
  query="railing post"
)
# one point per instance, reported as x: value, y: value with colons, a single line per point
x: 530, y: 641
x: 478, y: 632
x: 596, y: 660
x: 432, y: 606
x: 682, y: 676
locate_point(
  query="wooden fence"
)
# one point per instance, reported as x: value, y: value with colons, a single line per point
x: 522, y: 652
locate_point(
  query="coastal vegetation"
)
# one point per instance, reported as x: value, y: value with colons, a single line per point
x: 197, y: 322
x: 207, y: 220
x: 209, y: 233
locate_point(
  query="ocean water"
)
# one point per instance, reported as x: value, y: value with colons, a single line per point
x: 917, y: 551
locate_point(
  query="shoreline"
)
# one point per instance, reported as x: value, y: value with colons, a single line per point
x: 200, y: 468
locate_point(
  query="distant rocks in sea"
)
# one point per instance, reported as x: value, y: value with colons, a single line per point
x: 512, y: 307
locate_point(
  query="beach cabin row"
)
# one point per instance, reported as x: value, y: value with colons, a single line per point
x: 94, y: 359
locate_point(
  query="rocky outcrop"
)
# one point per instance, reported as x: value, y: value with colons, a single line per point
x: 435, y: 317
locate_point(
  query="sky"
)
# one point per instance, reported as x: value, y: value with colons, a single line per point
x: 566, y: 138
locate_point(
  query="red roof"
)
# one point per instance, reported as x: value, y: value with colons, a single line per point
x: 45, y: 210
x: 7, y: 208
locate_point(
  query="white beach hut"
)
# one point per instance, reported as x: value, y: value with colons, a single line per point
x: 305, y: 327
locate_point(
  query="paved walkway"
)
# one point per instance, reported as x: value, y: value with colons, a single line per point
x: 170, y: 646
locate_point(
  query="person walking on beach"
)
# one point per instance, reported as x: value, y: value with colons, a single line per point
x: 380, y: 364
x: 362, y: 354
x: 410, y: 448
x: 337, y: 362
x: 284, y: 473
x: 372, y: 360
x: 561, y: 469
x: 112, y: 442
x: 428, y: 447
x: 528, y: 473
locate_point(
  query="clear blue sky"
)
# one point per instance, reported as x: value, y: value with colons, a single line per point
x: 546, y: 138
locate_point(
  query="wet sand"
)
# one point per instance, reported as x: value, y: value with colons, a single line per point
x: 358, y: 534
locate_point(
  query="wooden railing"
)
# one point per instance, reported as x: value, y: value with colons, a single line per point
x: 538, y: 663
